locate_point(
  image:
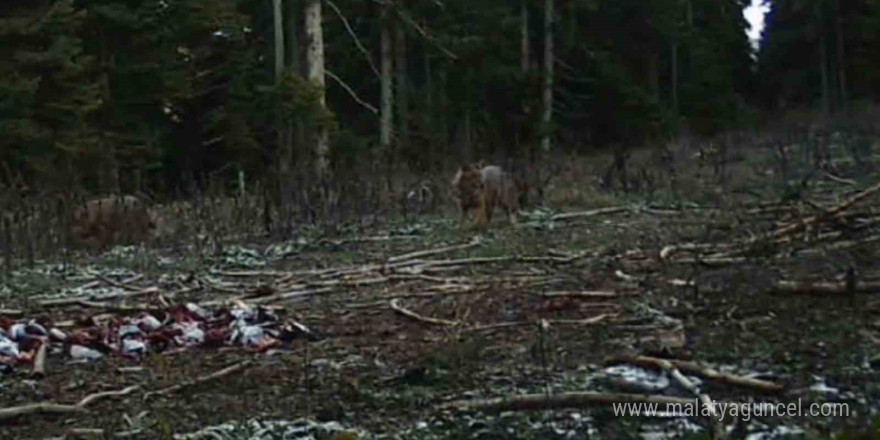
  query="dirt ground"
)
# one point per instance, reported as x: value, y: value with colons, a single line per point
x: 536, y: 308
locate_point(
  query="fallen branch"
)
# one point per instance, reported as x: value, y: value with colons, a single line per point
x: 797, y: 226
x: 104, y: 394
x: 425, y: 253
x: 580, y: 294
x: 536, y: 402
x: 12, y: 313
x: 76, y: 299
x: 839, y: 179
x: 287, y: 296
x: 668, y: 250
x: 100, y: 433
x: 586, y: 321
x: 118, y: 308
x: 691, y: 387
x: 250, y: 273
x: 56, y: 408
x: 124, y: 284
x: 199, y: 380
x: 39, y: 408
x: 590, y: 213
x: 824, y: 287
x: 413, y: 315
x: 701, y: 371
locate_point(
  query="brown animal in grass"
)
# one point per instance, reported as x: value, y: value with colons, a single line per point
x: 112, y: 220
x: 481, y: 188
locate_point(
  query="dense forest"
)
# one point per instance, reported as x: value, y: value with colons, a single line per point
x: 157, y: 96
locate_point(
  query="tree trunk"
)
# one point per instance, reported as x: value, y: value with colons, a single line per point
x: 285, y: 146
x: 525, y: 61
x: 547, y: 116
x: 429, y: 90
x: 524, y: 35
x: 292, y: 55
x: 387, y: 100
x: 841, y: 60
x: 402, y: 86
x: 823, y: 71
x: 315, y: 62
x: 279, y: 38
x: 653, y: 74
x: 674, y: 80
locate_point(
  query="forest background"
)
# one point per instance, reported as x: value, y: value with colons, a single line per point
x: 337, y: 107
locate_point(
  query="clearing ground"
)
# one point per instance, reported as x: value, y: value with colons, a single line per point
x: 768, y: 296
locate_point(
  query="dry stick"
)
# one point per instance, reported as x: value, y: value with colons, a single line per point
x: 250, y: 273
x: 839, y: 179
x: 117, y: 308
x: 348, y: 283
x: 39, y: 408
x: 690, y: 386
x: 713, y: 261
x: 701, y: 371
x: 410, y: 314
x: 668, y: 250
x: 383, y: 300
x: 57, y: 408
x: 199, y: 380
x: 354, y: 37
x: 99, y: 433
x: 13, y: 313
x: 104, y: 394
x: 425, y: 253
x: 76, y: 299
x: 626, y: 277
x: 121, y: 284
x: 39, y: 369
x: 219, y: 288
x: 794, y: 227
x: 823, y: 287
x: 532, y: 402
x: 590, y: 213
x: 582, y: 322
x: 433, y: 279
x: 581, y: 294
x: 287, y: 296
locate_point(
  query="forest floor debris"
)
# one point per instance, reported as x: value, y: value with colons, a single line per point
x: 394, y: 333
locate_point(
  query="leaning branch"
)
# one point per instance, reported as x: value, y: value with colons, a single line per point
x: 357, y: 41
x: 351, y: 92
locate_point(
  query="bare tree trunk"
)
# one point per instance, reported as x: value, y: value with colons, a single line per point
x: 653, y: 74
x: 429, y: 91
x: 524, y: 65
x: 315, y: 63
x: 402, y: 86
x: 841, y: 60
x: 279, y: 38
x: 387, y: 104
x: 285, y: 146
x: 823, y: 70
x: 547, y: 116
x: 292, y: 55
x: 466, y: 145
x: 524, y: 35
x: 674, y: 81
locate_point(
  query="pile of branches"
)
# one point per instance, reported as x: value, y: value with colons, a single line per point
x: 845, y: 227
